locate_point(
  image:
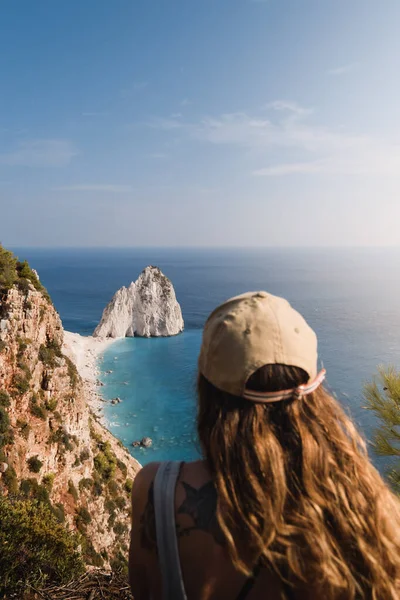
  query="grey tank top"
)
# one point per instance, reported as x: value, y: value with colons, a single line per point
x: 167, y: 543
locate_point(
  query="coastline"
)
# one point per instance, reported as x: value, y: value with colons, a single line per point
x: 85, y: 351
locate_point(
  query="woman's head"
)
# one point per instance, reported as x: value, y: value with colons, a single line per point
x: 295, y: 487
x: 249, y: 332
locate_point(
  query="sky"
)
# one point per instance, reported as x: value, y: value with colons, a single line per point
x: 199, y: 123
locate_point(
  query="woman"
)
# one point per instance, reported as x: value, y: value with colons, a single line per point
x: 285, y: 503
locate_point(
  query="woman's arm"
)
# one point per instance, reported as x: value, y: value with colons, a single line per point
x: 143, y: 540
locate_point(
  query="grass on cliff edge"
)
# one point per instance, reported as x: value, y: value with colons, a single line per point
x: 15, y: 272
x: 35, y: 549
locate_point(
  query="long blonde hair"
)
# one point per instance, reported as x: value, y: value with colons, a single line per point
x: 296, y: 491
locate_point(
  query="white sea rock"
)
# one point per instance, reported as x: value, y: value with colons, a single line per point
x: 146, y: 308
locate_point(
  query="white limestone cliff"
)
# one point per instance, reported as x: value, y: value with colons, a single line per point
x: 146, y: 308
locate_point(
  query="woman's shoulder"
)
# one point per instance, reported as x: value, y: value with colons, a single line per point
x: 144, y: 480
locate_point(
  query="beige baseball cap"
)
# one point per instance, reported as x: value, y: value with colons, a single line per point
x: 253, y: 330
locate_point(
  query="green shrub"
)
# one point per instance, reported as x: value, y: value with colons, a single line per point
x: 10, y: 480
x: 91, y: 556
x: 6, y: 438
x: 34, y: 464
x: 120, y: 528
x: 24, y: 285
x: 85, y: 484
x: 93, y: 434
x: 57, y: 416
x: 4, y: 420
x: 24, y: 428
x: 38, y: 411
x: 34, y: 547
x: 82, y: 517
x: 110, y: 506
x: 128, y: 485
x: 3, y: 345
x: 24, y: 272
x: 8, y: 269
x: 113, y: 488
x: 122, y: 467
x: 97, y: 485
x: 105, y: 462
x: 48, y: 481
x: 72, y: 372
x: 25, y: 369
x: 59, y: 512
x: 26, y: 487
x: 51, y: 404
x: 119, y: 563
x: 4, y: 399
x: 120, y: 502
x: 21, y: 384
x: 27, y: 305
x: 63, y: 439
x: 72, y: 490
x: 6, y: 433
x: 30, y: 488
x: 55, y: 346
x: 49, y: 353
x: 84, y: 455
x: 22, y: 346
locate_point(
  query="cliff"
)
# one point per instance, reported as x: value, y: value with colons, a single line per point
x: 51, y: 446
x: 148, y: 307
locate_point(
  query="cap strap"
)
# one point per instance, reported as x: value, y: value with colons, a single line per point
x: 297, y: 392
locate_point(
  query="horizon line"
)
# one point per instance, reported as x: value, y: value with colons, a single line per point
x: 193, y: 247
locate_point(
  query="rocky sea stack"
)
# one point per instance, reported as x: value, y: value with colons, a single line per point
x: 147, y: 308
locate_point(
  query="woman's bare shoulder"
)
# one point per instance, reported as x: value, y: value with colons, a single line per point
x: 145, y: 477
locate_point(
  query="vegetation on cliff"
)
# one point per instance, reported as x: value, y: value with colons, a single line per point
x: 15, y: 272
x: 64, y: 480
x: 35, y: 548
x: 383, y: 397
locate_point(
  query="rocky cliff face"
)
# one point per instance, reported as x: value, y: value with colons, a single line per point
x: 51, y: 445
x: 146, y: 308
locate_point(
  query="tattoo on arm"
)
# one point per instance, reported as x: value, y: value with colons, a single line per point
x: 148, y: 538
x: 199, y: 504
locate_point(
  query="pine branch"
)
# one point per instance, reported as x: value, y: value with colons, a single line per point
x: 382, y: 445
x: 394, y: 477
x: 383, y: 398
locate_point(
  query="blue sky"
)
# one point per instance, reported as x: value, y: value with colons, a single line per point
x: 199, y: 122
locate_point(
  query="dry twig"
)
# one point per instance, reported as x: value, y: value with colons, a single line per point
x: 97, y: 585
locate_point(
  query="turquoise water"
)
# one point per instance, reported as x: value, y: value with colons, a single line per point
x: 155, y: 379
x: 349, y: 296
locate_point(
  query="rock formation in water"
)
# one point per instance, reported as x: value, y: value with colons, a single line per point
x: 51, y: 445
x: 146, y: 308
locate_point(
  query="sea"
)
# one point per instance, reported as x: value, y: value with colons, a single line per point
x: 350, y: 296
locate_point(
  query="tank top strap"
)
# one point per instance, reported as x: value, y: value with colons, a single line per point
x: 167, y: 543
